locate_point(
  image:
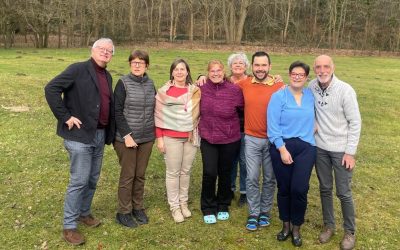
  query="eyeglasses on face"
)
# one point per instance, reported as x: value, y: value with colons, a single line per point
x: 218, y: 71
x: 105, y: 50
x: 138, y: 63
x: 297, y: 75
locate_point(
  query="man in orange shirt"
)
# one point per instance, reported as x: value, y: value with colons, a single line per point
x: 257, y: 92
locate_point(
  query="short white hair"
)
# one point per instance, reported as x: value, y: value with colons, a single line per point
x: 238, y: 56
x: 104, y: 40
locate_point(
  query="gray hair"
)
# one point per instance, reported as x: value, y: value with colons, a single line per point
x: 241, y: 56
x: 104, y: 40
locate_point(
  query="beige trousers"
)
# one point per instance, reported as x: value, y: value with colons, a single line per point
x: 179, y: 156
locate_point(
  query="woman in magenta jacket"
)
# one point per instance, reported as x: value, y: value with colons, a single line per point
x: 220, y: 140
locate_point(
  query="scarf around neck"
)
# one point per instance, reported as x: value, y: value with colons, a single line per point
x: 177, y: 113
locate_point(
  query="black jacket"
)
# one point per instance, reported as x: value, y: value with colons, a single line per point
x: 75, y: 92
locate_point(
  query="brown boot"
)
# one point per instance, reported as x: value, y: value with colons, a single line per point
x: 326, y: 235
x: 348, y: 241
x: 73, y: 237
x: 89, y: 221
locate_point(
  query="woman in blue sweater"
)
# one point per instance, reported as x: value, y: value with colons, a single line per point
x: 290, y: 119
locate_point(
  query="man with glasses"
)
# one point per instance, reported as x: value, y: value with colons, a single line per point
x: 257, y: 91
x: 82, y: 101
x: 338, y: 133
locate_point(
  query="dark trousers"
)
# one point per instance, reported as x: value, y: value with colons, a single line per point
x: 133, y: 163
x: 217, y: 163
x: 293, y: 180
x: 329, y: 167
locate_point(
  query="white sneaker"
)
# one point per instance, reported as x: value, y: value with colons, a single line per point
x: 185, y: 211
x: 177, y: 215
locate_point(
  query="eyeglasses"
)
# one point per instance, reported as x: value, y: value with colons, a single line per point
x: 137, y: 64
x: 105, y: 50
x: 218, y: 71
x: 297, y: 75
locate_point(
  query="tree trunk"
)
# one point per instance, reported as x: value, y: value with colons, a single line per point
x: 342, y: 21
x: 132, y: 19
x: 287, y: 20
x: 315, y: 24
x: 171, y: 23
x: 176, y: 19
x: 232, y: 21
x: 242, y: 18
x: 205, y: 24
x: 191, y: 20
x: 59, y: 34
x: 159, y: 20
x: 225, y: 21
x: 332, y: 24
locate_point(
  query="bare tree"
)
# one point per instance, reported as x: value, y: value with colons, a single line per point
x: 9, y: 22
x: 365, y: 24
x: 288, y: 10
x: 133, y: 6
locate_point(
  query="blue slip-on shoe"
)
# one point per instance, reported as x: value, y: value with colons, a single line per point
x: 210, y: 219
x: 264, y: 220
x: 223, y: 215
x: 252, y: 223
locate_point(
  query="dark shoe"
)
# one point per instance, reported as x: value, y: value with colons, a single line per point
x: 73, y: 237
x: 282, y: 236
x: 348, y: 241
x: 140, y: 216
x: 125, y: 220
x: 326, y: 235
x: 296, y: 240
x: 264, y: 220
x: 89, y: 221
x: 242, y: 200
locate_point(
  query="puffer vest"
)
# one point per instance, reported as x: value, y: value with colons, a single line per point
x: 139, y: 107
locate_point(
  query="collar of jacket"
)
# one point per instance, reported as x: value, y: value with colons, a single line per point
x: 331, y: 84
x: 219, y: 85
x: 270, y: 80
x: 139, y: 78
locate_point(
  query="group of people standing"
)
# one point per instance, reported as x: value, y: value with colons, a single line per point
x: 274, y: 130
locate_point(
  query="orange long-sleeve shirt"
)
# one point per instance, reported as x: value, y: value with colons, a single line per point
x: 256, y: 99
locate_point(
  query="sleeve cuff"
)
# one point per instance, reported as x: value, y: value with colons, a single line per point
x: 279, y: 143
x: 127, y: 135
x: 350, y: 150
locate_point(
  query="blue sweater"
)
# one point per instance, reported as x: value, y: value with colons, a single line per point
x: 288, y: 120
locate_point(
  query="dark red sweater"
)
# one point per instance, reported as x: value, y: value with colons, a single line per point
x: 104, y: 95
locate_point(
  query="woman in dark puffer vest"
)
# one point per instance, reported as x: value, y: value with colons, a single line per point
x: 134, y: 114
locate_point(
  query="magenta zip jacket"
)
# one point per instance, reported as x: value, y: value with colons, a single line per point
x: 219, y: 117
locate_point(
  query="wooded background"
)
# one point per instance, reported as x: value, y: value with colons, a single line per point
x: 333, y: 24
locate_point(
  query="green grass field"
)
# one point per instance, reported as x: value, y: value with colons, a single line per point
x: 34, y: 164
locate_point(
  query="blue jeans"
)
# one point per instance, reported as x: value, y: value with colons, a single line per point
x: 257, y: 154
x: 241, y: 159
x: 85, y: 170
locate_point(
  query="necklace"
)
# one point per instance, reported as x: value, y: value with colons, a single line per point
x: 185, y: 101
